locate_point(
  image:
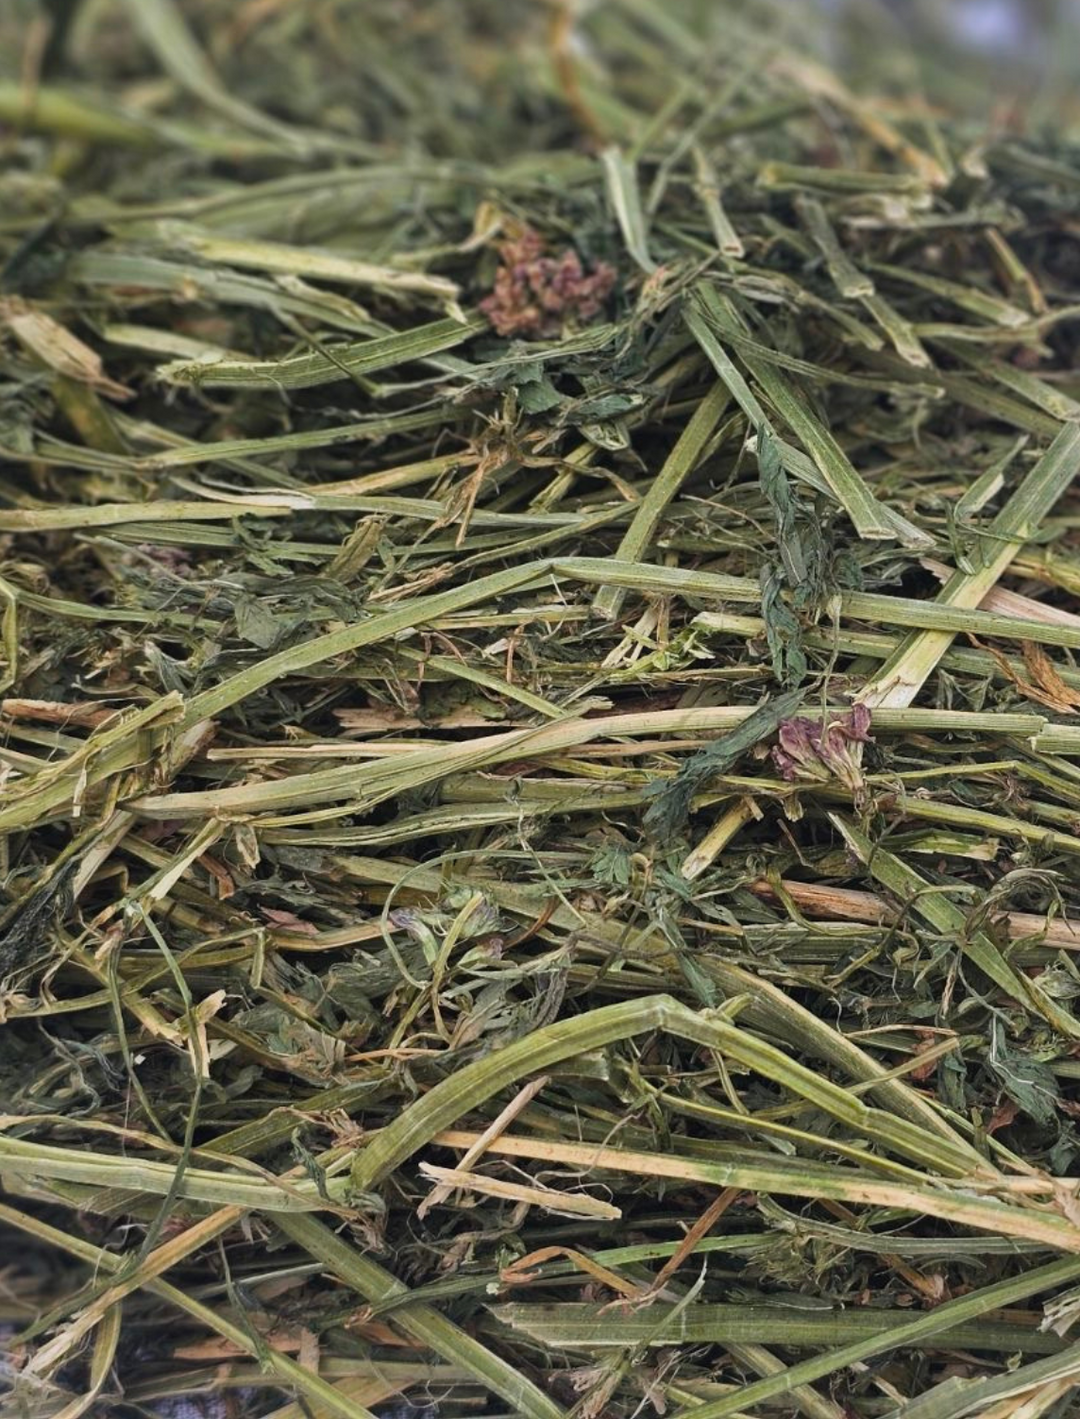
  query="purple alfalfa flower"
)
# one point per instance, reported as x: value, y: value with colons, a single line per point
x: 537, y: 294
x: 418, y: 924
x: 815, y: 751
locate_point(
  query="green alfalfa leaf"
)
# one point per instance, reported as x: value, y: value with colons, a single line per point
x: 782, y: 628
x: 538, y: 396
x: 1029, y: 1083
x: 257, y: 623
x: 783, y: 631
x: 671, y: 798
x: 775, y: 486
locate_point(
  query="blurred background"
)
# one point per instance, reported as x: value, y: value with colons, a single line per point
x: 1017, y: 61
x: 974, y: 54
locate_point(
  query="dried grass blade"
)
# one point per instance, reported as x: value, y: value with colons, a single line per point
x: 961, y: 1204
x: 581, y: 1326
x: 423, y: 1323
x: 307, y: 371
x: 964, y: 1310
x: 903, y: 675
x: 678, y: 466
x: 309, y: 261
x: 624, y: 193
x: 710, y: 315
x: 477, y: 1082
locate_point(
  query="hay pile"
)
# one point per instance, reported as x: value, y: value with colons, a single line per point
x: 538, y: 604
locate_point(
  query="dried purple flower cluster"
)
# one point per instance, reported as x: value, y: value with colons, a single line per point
x: 817, y: 750
x: 538, y: 295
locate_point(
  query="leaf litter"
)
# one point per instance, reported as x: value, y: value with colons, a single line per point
x: 538, y: 785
